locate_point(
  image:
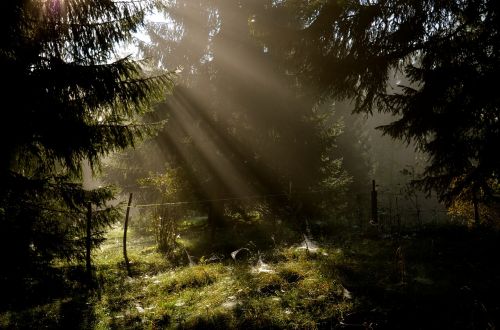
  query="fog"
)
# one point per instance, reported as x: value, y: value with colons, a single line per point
x: 230, y: 164
x: 241, y: 125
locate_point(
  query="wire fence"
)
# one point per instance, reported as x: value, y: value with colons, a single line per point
x: 398, y: 208
x: 236, y: 198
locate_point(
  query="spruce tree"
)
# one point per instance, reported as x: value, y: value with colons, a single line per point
x: 446, y: 55
x: 237, y: 123
x: 68, y: 99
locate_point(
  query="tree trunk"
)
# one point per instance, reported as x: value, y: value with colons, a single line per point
x: 374, y: 204
x: 125, y: 228
x: 215, y: 216
x: 88, y: 241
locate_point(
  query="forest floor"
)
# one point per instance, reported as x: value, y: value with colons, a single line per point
x: 445, y: 277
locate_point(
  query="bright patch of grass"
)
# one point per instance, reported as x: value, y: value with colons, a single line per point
x: 290, y: 294
x: 359, y: 279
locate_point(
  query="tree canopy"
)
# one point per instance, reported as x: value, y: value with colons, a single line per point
x: 237, y: 122
x: 445, y: 57
x: 78, y: 100
x: 71, y: 100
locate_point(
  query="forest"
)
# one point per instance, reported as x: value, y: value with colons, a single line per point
x: 250, y: 164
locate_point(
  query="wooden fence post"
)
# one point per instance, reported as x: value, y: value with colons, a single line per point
x: 374, y: 217
x: 88, y: 242
x: 125, y: 228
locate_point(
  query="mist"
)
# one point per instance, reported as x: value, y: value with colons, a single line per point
x: 250, y: 164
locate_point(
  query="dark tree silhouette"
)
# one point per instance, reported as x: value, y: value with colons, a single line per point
x: 448, y: 53
x: 70, y: 99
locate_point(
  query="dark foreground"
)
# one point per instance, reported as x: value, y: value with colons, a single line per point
x: 445, y: 277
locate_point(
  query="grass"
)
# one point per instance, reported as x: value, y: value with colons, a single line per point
x: 436, y: 278
x: 227, y: 294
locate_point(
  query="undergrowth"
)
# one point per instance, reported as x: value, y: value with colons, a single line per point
x: 435, y: 278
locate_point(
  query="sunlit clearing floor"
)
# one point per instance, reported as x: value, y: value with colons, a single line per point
x: 437, y: 278
x: 288, y: 291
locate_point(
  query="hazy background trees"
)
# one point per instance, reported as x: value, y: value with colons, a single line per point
x: 245, y: 134
x: 445, y: 55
